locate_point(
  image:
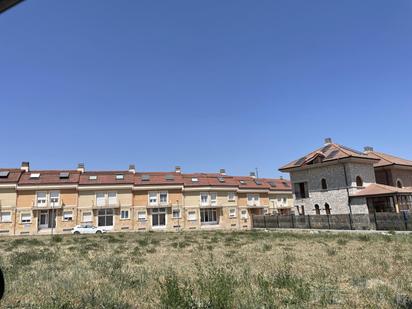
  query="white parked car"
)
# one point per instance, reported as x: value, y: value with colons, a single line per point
x: 87, y: 229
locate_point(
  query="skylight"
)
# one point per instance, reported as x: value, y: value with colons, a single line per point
x: 4, y: 174
x: 64, y: 175
x: 119, y: 177
x: 195, y: 179
x: 221, y: 179
x: 169, y: 177
x: 92, y: 177
x: 285, y: 183
x: 35, y: 175
x: 242, y: 182
x: 272, y: 184
x: 145, y: 177
x: 258, y: 182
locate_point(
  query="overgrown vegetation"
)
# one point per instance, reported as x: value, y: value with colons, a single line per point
x: 208, y: 270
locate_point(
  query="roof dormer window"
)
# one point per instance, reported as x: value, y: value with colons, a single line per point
x: 64, y: 175
x: 4, y: 174
x: 119, y: 177
x: 92, y: 177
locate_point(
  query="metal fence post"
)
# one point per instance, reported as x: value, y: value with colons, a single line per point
x: 328, y: 221
x: 310, y: 226
x: 293, y: 223
x: 264, y: 221
x: 405, y: 220
x: 350, y: 221
x: 277, y: 219
x: 376, y: 221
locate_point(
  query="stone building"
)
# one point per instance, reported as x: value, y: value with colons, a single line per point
x: 335, y: 179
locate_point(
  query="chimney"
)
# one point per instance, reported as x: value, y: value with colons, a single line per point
x: 80, y: 167
x: 178, y: 170
x: 25, y: 166
x: 328, y: 141
x: 367, y: 149
x: 132, y: 168
x: 253, y: 174
x: 222, y: 172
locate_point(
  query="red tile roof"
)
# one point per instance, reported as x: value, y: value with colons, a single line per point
x: 49, y: 177
x: 12, y: 177
x: 379, y: 189
x: 327, y: 153
x: 106, y: 178
x: 387, y: 160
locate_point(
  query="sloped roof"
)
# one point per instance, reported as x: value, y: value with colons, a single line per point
x: 13, y: 175
x: 329, y: 152
x: 49, y: 177
x: 106, y: 178
x: 387, y: 159
x: 379, y: 189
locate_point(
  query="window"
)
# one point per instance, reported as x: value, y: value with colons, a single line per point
x: 92, y: 177
x: 64, y: 175
x: 105, y: 217
x: 4, y: 174
x: 359, y: 181
x: 41, y: 199
x: 399, y: 184
x: 191, y: 215
x: 87, y: 216
x: 213, y: 198
x: 159, y: 217
x: 34, y: 175
x: 204, y: 198
x: 163, y: 198
x: 124, y: 214
x: 54, y: 198
x: 317, y: 209
x: 176, y: 213
x: 232, y: 212
x: 243, y: 214
x: 141, y: 215
x: 253, y: 199
x: 301, y: 190
x: 195, y: 179
x: 324, y: 184
x: 152, y: 198
x: 100, y: 199
x: 119, y: 177
x: 67, y: 215
x: 145, y: 177
x: 327, y: 209
x: 5, y: 216
x: 231, y: 196
x: 25, y: 217
x: 112, y: 198
x: 208, y: 216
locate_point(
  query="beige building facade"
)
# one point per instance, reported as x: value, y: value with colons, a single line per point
x: 55, y: 201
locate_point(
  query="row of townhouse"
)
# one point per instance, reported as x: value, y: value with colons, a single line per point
x: 55, y: 201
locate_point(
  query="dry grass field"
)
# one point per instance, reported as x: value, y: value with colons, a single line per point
x: 208, y: 270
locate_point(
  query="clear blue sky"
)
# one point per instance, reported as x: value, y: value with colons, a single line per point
x: 202, y: 84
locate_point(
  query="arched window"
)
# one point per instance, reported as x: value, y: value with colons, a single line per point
x: 399, y: 184
x: 317, y: 209
x: 324, y: 184
x: 327, y: 209
x: 359, y: 181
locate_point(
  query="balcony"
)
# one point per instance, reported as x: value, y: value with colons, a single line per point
x: 159, y: 205
x: 106, y: 204
x: 47, y: 204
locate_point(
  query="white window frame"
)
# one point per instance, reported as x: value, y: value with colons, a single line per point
x: 25, y: 214
x: 43, y: 200
x: 112, y: 200
x: 191, y: 215
x: 54, y: 200
x: 152, y: 198
x: 213, y: 198
x: 67, y: 218
x: 100, y: 199
x: 244, y: 214
x: 2, y: 215
x: 179, y: 212
x: 141, y: 215
x: 204, y: 194
x: 231, y: 197
x: 160, y: 198
x: 86, y: 215
x: 232, y: 212
x: 123, y: 211
x: 253, y: 199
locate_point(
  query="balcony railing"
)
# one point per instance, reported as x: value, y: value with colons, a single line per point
x: 107, y: 204
x: 47, y: 204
